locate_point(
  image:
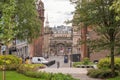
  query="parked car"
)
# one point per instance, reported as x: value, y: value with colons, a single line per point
x: 37, y: 60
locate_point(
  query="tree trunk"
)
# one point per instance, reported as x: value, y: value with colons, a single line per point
x: 0, y: 49
x: 6, y: 52
x: 3, y: 73
x: 112, y: 61
x: 112, y: 48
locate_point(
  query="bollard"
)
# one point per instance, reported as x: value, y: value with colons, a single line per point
x: 58, y: 64
x: 70, y: 64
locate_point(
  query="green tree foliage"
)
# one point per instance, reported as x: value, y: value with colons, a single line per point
x: 97, y: 13
x: 7, y: 23
x: 27, y: 20
x: 19, y: 19
x: 116, y: 7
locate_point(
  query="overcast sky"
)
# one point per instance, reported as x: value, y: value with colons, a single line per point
x: 58, y: 11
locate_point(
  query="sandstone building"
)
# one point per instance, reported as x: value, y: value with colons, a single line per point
x: 36, y: 48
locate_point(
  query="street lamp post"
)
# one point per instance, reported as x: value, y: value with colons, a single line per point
x: 71, y: 56
x: 3, y: 67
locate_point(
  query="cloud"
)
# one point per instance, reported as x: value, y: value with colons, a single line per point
x: 60, y: 0
x: 58, y: 11
x: 67, y: 13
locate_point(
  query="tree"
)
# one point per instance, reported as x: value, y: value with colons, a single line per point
x: 23, y: 20
x: 18, y: 19
x: 27, y: 19
x: 116, y: 7
x: 7, y: 23
x: 97, y: 13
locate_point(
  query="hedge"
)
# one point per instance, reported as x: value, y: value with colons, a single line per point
x: 106, y: 64
x: 31, y: 70
x: 101, y: 73
x: 9, y: 62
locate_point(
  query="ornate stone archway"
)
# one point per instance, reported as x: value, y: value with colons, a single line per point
x: 60, y: 47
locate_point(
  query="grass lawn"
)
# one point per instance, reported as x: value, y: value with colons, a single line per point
x: 117, y: 78
x: 12, y: 75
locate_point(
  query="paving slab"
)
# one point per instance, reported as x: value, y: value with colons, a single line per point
x: 65, y: 70
x: 83, y: 77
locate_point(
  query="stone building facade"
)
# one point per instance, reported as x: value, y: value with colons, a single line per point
x: 76, y: 39
x: 20, y: 49
x: 47, y: 36
x: 61, y: 40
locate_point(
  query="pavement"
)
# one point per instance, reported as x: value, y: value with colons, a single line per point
x: 78, y: 73
x: 65, y: 70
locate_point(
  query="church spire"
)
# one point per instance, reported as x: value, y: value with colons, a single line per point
x: 47, y: 21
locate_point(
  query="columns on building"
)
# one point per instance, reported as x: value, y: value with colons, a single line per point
x: 22, y: 51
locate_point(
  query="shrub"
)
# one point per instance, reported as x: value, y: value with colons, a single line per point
x: 12, y: 67
x: 100, y: 73
x: 105, y: 64
x: 117, y: 64
x: 29, y: 67
x: 48, y: 76
x: 93, y: 73
x: 9, y: 59
x: 75, y: 64
x: 34, y: 74
x: 11, y: 62
x: 86, y: 61
x: 60, y: 76
x: 31, y: 71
